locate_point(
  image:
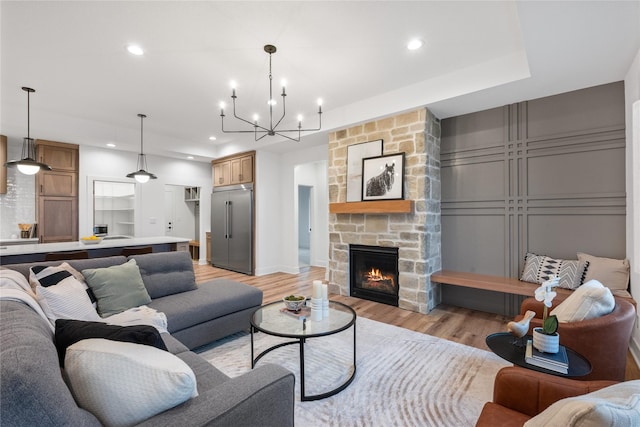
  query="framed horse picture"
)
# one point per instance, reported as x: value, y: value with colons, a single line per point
x: 355, y: 154
x: 383, y: 177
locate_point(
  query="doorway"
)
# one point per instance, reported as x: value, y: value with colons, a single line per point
x: 181, y: 212
x: 304, y: 225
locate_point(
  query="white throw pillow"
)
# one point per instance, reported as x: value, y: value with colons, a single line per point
x: 589, y: 301
x: 61, y: 295
x: 122, y: 383
x: 616, y: 405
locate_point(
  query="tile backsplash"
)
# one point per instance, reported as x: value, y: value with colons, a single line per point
x: 19, y: 204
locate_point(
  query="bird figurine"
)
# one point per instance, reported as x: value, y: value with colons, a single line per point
x: 520, y: 329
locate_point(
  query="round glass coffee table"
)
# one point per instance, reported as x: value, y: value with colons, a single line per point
x: 270, y: 320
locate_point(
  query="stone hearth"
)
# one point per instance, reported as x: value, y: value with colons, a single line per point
x: 416, y: 234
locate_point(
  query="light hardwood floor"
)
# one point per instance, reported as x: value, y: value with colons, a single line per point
x: 457, y: 324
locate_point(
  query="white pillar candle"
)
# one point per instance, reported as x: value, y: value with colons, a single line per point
x: 317, y: 289
x: 325, y: 292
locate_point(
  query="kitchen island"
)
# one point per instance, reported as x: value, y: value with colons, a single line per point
x: 13, y: 254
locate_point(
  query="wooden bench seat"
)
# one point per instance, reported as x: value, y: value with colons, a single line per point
x: 507, y: 285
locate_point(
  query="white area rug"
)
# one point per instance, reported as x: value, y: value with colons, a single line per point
x: 403, y: 378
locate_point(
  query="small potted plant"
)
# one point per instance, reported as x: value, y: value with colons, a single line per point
x: 546, y: 338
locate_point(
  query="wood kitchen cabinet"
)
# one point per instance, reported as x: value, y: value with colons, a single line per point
x: 221, y: 174
x: 57, y: 192
x: 232, y: 170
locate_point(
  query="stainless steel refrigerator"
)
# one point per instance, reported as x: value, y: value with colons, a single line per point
x: 232, y: 228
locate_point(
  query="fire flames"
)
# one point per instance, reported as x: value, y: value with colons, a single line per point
x: 375, y: 275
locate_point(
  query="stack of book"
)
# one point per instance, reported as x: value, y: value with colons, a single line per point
x: 557, y: 362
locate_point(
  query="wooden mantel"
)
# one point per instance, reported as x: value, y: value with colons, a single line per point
x: 372, y: 207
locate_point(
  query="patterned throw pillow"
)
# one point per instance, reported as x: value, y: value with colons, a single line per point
x: 60, y: 294
x: 540, y: 268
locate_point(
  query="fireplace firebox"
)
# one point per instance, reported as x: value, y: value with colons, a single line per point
x: 374, y: 273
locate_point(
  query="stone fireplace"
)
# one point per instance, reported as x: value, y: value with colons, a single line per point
x: 414, y: 229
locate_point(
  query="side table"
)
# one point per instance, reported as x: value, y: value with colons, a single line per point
x: 501, y: 343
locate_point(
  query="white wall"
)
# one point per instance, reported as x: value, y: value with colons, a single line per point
x: 268, y: 210
x: 314, y: 175
x: 277, y: 206
x: 150, y: 221
x: 632, y: 95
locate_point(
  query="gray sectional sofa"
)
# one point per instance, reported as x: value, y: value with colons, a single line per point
x: 33, y: 391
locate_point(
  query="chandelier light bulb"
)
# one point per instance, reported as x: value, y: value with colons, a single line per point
x: 300, y: 117
x: 272, y: 102
x: 255, y: 117
x: 233, y: 84
x: 319, y: 102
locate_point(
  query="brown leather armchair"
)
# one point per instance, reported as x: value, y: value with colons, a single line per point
x: 520, y: 394
x: 604, y: 341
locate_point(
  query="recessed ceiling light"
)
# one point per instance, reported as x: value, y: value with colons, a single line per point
x: 111, y: 145
x: 212, y: 138
x: 134, y: 49
x: 415, y: 44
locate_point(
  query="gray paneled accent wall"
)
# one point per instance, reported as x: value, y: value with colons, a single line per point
x: 544, y: 176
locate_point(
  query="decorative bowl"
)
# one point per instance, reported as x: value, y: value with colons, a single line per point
x: 294, y: 302
x: 91, y: 240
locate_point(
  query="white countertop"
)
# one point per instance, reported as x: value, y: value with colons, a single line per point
x: 76, y: 246
x: 18, y: 241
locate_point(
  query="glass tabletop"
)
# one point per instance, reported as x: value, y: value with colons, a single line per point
x: 273, y: 320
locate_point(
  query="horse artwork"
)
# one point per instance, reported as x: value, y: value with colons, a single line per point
x: 379, y: 176
x: 381, y: 184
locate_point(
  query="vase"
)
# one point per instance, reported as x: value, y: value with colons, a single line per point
x: 546, y: 343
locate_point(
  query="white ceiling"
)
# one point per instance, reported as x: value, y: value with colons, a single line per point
x: 477, y: 55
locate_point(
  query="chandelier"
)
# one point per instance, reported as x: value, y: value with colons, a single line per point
x: 27, y: 163
x: 259, y: 130
x: 141, y: 175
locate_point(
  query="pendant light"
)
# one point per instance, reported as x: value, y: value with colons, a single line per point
x: 27, y: 163
x: 141, y: 175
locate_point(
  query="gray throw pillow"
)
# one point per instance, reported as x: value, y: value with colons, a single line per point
x: 117, y: 288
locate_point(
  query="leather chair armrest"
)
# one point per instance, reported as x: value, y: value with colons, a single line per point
x: 531, y: 392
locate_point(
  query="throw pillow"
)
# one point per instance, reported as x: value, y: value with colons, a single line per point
x: 122, y: 383
x: 539, y: 268
x: 117, y: 288
x: 589, y: 301
x: 60, y: 294
x: 166, y: 273
x: 69, y: 332
x: 616, y: 405
x: 613, y: 273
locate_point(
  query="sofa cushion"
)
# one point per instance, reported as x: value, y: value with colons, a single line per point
x: 209, y: 301
x: 124, y: 383
x: 540, y: 268
x: 612, y: 273
x: 32, y: 389
x: 117, y: 288
x: 69, y: 332
x: 166, y: 273
x: 616, y: 405
x: 61, y: 295
x: 589, y: 301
